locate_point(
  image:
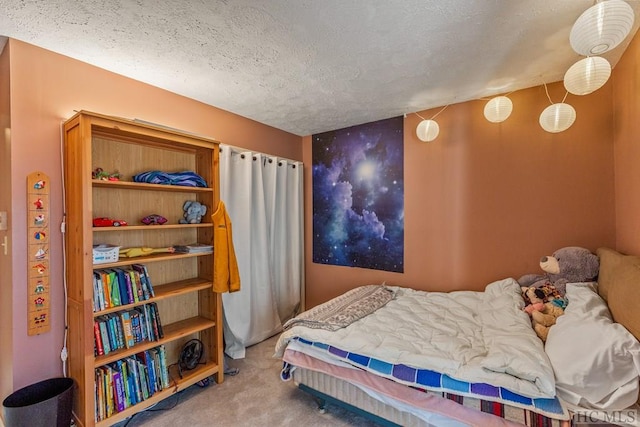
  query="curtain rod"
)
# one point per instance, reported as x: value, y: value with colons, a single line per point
x: 238, y: 150
x: 208, y: 137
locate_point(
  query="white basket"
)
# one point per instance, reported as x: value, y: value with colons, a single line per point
x: 103, y: 254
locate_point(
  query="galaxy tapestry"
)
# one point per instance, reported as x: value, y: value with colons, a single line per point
x: 358, y: 196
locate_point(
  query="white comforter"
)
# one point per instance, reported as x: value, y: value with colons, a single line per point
x: 471, y: 336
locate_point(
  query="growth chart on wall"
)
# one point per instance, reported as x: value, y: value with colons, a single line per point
x: 38, y: 293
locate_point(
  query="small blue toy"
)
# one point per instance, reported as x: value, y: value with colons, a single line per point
x: 193, y: 212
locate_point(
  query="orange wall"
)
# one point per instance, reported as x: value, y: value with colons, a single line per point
x: 484, y: 201
x: 626, y: 89
x: 45, y: 90
x: 6, y: 368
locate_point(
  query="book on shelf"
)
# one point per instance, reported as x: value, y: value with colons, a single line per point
x: 104, y: 335
x: 193, y: 248
x: 155, y: 320
x: 106, y: 295
x: 118, y: 391
x: 98, y: 297
x: 128, y: 332
x: 122, y: 286
x: 114, y: 287
x: 99, y: 348
x: 135, y: 278
x: 143, y: 274
x: 132, y: 367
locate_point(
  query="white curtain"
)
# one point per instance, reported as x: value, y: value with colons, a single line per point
x: 263, y: 196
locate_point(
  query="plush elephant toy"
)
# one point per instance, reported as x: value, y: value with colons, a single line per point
x: 193, y: 212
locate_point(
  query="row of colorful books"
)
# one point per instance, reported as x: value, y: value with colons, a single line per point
x: 113, y: 287
x: 129, y: 381
x: 126, y: 328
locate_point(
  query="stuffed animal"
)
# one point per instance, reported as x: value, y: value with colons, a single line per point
x: 566, y: 265
x: 543, y: 308
x: 193, y: 212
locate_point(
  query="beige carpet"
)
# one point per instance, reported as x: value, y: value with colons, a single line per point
x: 254, y: 397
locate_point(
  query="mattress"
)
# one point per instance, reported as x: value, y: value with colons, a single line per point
x: 403, y: 405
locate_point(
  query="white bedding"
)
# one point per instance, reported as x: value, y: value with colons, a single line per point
x: 471, y: 336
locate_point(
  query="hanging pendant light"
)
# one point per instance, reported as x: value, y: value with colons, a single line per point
x: 587, y: 75
x: 557, y: 117
x: 602, y: 27
x: 427, y: 130
x: 498, y: 109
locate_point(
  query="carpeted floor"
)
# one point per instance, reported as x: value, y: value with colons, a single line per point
x: 254, y: 397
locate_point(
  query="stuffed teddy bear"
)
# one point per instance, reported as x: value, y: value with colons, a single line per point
x: 566, y: 265
x: 543, y: 308
x: 546, y: 292
x: 193, y: 212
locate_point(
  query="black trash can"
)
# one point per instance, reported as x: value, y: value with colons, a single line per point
x: 43, y: 404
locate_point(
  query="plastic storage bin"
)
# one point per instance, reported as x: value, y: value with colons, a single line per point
x: 43, y: 404
x: 105, y: 253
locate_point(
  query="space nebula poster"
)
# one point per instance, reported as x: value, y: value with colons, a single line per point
x: 358, y: 196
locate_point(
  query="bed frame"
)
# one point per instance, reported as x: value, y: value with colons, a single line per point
x: 332, y: 390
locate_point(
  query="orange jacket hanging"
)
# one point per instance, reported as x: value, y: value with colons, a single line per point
x: 226, y: 277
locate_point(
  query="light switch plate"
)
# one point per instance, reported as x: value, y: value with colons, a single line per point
x: 3, y: 220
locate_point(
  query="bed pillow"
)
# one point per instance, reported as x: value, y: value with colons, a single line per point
x: 624, y: 295
x: 609, y: 276
x: 595, y: 360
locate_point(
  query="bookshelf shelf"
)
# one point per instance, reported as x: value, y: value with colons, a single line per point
x: 182, y: 303
x: 147, y: 259
x: 130, y: 185
x: 151, y: 227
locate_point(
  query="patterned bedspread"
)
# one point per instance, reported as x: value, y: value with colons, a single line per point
x: 344, y: 309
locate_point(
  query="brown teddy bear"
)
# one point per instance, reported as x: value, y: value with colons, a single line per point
x: 543, y: 308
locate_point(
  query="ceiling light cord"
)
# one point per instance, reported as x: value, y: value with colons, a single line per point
x: 435, y: 115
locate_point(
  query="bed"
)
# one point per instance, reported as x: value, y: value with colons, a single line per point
x: 464, y: 358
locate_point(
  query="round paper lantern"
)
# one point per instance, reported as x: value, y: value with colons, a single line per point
x: 498, y: 109
x: 557, y: 117
x: 427, y: 130
x: 602, y: 27
x: 587, y: 75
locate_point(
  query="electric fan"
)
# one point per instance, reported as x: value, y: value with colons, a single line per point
x: 190, y: 355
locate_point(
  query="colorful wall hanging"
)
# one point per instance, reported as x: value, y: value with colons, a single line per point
x: 38, y: 294
x: 358, y: 196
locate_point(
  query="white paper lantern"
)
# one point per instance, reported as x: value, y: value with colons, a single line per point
x: 498, y: 109
x: 602, y: 27
x: 557, y: 117
x: 427, y: 130
x: 587, y: 75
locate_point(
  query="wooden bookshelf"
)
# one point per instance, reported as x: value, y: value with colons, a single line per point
x: 182, y: 282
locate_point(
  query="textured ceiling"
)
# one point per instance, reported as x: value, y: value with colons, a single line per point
x: 311, y: 66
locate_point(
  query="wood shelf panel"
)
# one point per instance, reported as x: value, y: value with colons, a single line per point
x: 153, y: 227
x: 130, y: 185
x: 147, y: 259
